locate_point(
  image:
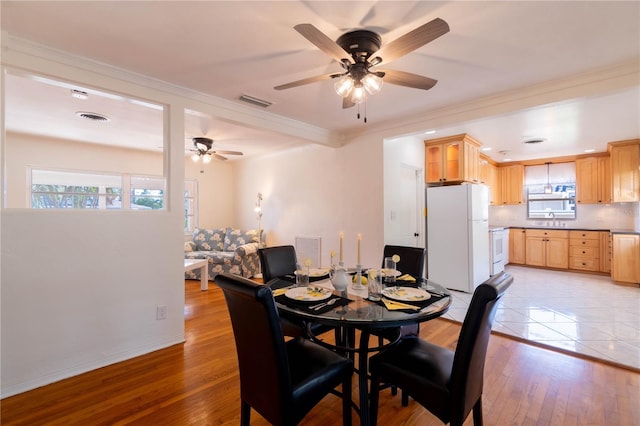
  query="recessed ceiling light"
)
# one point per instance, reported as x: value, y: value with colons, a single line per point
x: 589, y: 150
x: 506, y: 159
x: 429, y: 132
x: 486, y: 148
x: 93, y: 116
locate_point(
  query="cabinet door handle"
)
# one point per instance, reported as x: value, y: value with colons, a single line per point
x: 584, y: 252
x: 584, y: 242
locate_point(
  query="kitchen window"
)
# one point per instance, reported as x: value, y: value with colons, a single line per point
x: 551, y: 191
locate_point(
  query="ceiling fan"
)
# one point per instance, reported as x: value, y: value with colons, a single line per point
x: 360, y: 52
x: 203, y: 151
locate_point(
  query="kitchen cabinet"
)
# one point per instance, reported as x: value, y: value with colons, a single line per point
x: 625, y: 171
x: 547, y: 248
x: 593, y: 180
x: 605, y: 252
x: 488, y: 174
x: 584, y: 250
x: 625, y: 262
x: 517, y: 246
x: 511, y: 183
x: 452, y: 159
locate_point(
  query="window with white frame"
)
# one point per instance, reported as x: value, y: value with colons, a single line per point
x: 54, y: 189
x: 60, y: 189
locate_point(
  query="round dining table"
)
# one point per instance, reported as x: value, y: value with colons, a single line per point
x: 353, y: 311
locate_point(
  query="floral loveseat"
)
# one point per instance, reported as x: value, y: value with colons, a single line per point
x: 227, y: 249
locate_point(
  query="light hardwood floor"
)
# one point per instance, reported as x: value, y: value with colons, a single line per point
x: 197, y: 383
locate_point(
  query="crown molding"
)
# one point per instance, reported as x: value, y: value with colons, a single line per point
x: 29, y: 56
x: 590, y: 83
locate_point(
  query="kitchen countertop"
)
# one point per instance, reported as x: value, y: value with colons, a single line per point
x: 555, y: 228
x: 625, y: 231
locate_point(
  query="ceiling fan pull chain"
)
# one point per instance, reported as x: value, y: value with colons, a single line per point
x: 358, y: 111
x: 365, y: 111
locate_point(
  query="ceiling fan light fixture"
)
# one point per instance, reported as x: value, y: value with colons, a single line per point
x: 195, y: 157
x: 344, y: 86
x: 206, y: 158
x: 359, y: 94
x: 372, y: 83
x: 201, y: 146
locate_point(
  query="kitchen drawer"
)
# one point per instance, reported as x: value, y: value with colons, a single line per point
x: 548, y: 233
x: 590, y: 252
x: 585, y: 235
x: 584, y: 264
x: 584, y: 243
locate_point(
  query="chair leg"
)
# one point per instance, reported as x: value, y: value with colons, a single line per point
x: 245, y: 414
x: 346, y: 401
x: 405, y: 398
x: 374, y: 394
x: 477, y: 413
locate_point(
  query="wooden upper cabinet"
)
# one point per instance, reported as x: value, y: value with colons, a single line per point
x: 488, y: 174
x: 452, y: 159
x: 593, y: 180
x: 625, y: 171
x: 510, y: 183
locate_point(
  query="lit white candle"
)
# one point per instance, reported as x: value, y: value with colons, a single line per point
x: 359, y: 239
x: 341, y: 238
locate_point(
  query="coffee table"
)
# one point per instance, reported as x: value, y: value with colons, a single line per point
x: 203, y: 264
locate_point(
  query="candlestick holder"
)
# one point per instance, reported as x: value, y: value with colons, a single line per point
x: 358, y: 284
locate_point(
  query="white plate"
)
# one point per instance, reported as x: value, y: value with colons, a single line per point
x: 308, y: 294
x: 318, y: 272
x: 391, y: 272
x: 406, y: 294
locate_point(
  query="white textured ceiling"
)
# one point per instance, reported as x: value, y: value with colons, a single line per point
x: 228, y: 48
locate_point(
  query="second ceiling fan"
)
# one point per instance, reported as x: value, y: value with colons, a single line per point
x: 360, y: 52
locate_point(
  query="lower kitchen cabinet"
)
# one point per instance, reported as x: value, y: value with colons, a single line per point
x: 547, y: 248
x: 584, y: 250
x: 517, y: 243
x: 625, y: 262
x: 605, y: 252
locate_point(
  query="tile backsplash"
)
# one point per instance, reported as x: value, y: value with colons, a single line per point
x: 588, y: 216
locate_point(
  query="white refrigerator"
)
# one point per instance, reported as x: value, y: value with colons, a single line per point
x: 458, y: 235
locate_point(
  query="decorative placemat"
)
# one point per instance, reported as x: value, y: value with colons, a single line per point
x: 420, y: 304
x: 314, y: 308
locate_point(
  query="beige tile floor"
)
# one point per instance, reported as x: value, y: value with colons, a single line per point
x: 583, y: 313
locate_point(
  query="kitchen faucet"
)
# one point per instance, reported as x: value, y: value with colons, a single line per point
x: 553, y: 215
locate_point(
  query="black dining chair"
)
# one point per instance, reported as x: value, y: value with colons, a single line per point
x: 448, y: 384
x: 277, y: 262
x: 412, y: 259
x: 281, y: 380
x: 412, y: 262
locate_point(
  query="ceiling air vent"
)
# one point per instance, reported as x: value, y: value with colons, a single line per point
x: 93, y: 116
x: 255, y: 101
x: 533, y: 140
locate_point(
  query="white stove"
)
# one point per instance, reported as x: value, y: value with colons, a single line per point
x: 497, y: 244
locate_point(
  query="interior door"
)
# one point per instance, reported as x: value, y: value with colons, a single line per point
x: 405, y: 215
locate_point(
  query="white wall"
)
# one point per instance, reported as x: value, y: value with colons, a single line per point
x: 216, y: 208
x: 317, y: 191
x: 79, y: 289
